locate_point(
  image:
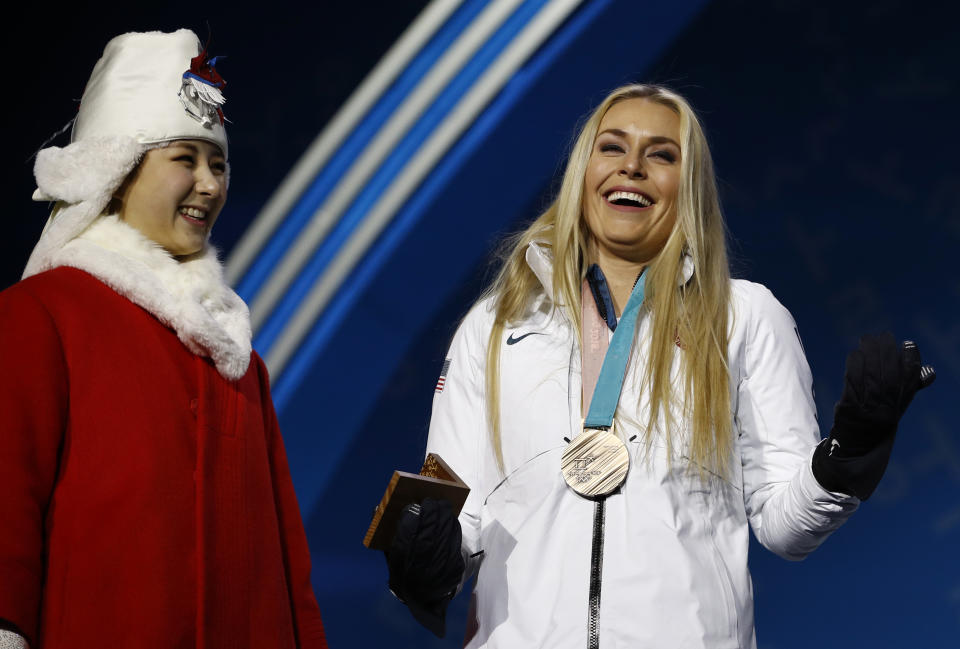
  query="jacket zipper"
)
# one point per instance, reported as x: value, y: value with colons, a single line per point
x: 596, y: 569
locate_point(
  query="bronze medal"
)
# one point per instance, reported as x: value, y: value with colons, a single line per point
x: 595, y: 463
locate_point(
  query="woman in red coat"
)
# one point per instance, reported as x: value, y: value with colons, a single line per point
x: 146, y: 500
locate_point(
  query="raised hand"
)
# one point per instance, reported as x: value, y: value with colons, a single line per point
x: 881, y: 380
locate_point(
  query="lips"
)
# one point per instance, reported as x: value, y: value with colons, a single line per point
x: 627, y: 199
x: 194, y: 215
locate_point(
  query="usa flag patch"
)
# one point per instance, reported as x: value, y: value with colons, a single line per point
x: 443, y: 376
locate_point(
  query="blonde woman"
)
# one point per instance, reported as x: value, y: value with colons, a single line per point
x: 710, y: 415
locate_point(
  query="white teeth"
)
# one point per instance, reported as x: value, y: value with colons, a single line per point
x: 630, y: 196
x: 193, y: 212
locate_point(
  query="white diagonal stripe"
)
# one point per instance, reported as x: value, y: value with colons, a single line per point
x: 379, y: 148
x: 465, y: 112
x: 373, y: 86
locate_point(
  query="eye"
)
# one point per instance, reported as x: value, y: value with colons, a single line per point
x: 666, y: 156
x: 185, y: 158
x: 219, y: 166
x: 610, y: 147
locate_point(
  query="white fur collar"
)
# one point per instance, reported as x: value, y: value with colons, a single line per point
x: 191, y: 297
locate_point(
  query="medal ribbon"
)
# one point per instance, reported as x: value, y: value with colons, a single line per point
x: 606, y: 394
x: 595, y: 343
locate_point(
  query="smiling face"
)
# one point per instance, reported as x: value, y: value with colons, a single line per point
x: 632, y: 180
x: 175, y: 194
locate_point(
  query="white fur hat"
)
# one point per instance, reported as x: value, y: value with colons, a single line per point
x: 146, y: 89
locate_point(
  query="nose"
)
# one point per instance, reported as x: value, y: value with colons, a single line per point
x: 632, y: 167
x: 207, y: 182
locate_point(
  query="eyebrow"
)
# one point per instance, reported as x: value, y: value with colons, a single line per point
x: 186, y: 144
x: 655, y: 139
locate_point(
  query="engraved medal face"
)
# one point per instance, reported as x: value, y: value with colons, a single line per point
x: 595, y: 463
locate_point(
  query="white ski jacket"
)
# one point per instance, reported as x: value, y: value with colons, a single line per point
x: 674, y: 562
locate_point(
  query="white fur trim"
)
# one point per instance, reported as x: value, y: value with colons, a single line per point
x: 88, y: 170
x: 11, y: 640
x: 191, y: 297
x: 82, y: 178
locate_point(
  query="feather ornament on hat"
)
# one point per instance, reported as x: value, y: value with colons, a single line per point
x: 202, y: 90
x: 134, y: 100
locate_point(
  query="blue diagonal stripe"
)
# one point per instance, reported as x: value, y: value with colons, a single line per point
x: 391, y: 168
x: 287, y: 383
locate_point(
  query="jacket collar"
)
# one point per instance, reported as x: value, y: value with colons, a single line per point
x: 190, y: 297
x: 540, y: 260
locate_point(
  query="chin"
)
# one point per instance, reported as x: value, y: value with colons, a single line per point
x: 633, y: 250
x: 629, y: 244
x: 191, y: 252
x: 184, y: 250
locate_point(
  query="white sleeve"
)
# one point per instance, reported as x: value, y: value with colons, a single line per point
x: 790, y: 513
x: 458, y: 423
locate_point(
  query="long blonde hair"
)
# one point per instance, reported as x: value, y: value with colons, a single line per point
x: 695, y: 315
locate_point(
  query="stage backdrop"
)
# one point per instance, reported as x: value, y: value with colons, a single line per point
x: 406, y: 140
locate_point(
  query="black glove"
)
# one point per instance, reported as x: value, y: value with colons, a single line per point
x: 425, y: 562
x: 880, y: 381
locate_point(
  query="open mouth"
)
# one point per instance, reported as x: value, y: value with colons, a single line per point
x: 194, y: 215
x: 623, y: 198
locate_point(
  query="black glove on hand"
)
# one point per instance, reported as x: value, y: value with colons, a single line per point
x: 880, y: 381
x: 425, y: 561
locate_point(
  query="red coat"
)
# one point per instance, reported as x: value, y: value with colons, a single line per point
x: 145, y: 501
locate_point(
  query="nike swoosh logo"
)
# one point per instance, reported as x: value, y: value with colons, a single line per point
x: 513, y: 341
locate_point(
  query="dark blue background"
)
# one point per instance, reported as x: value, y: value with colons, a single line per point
x: 833, y: 127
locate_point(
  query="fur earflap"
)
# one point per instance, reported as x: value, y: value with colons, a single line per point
x: 81, y: 178
x: 88, y: 170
